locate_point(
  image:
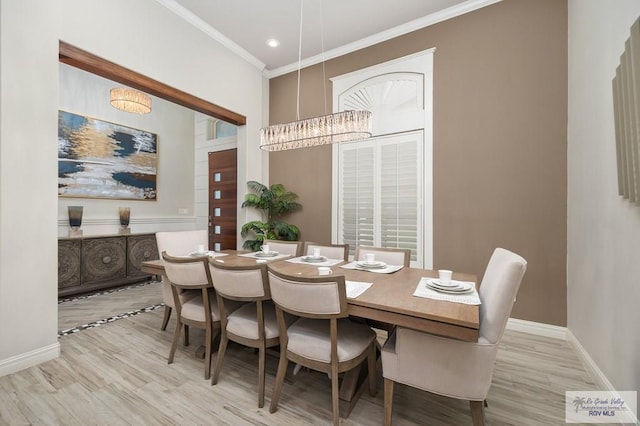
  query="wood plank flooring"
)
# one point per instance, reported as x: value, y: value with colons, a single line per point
x: 117, y: 374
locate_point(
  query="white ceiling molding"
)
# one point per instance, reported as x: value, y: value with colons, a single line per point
x: 416, y: 24
x: 211, y: 32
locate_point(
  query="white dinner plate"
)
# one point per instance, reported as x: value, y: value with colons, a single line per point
x: 204, y: 253
x: 462, y: 288
x: 439, y: 283
x: 311, y: 259
x: 371, y: 265
x: 263, y: 254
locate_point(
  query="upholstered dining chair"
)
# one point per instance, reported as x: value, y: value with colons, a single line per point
x: 193, y: 273
x: 391, y: 256
x: 292, y: 248
x: 253, y: 324
x: 323, y: 338
x: 331, y: 251
x: 178, y: 243
x: 454, y: 368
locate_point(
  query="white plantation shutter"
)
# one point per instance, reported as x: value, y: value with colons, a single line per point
x: 357, y: 195
x: 379, y: 193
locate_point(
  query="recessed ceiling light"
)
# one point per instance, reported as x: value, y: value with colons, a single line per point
x: 272, y: 42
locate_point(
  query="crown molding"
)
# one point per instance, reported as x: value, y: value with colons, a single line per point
x: 416, y: 24
x: 198, y: 23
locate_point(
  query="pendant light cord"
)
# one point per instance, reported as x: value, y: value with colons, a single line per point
x: 299, y: 61
x: 324, y: 73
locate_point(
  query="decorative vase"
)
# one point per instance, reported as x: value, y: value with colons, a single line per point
x: 125, y: 215
x: 75, y: 221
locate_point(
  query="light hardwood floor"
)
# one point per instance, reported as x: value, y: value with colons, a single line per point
x: 117, y: 374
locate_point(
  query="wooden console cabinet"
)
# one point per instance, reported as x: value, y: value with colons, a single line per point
x: 93, y: 263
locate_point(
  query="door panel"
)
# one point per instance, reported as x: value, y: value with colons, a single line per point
x: 223, y: 190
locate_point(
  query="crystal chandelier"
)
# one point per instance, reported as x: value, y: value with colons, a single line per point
x: 333, y: 128
x: 130, y: 100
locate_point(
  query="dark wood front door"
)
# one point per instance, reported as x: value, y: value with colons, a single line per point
x: 223, y: 190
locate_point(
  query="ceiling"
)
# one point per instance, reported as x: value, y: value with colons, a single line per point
x: 346, y: 25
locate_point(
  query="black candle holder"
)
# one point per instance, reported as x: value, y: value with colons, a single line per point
x: 125, y: 216
x: 75, y: 220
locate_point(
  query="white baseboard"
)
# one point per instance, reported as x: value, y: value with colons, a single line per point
x: 29, y: 359
x: 602, y: 383
x: 590, y: 365
x: 537, y: 328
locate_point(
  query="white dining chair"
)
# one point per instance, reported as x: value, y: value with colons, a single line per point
x: 178, y: 243
x: 390, y: 256
x: 455, y: 368
x: 254, y: 323
x: 323, y: 338
x: 331, y: 251
x: 292, y: 248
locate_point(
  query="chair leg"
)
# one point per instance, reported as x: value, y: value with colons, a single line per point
x: 207, y: 352
x: 388, y: 401
x: 373, y: 374
x: 186, y: 335
x: 219, y: 358
x: 174, y: 343
x: 277, y: 389
x: 335, y: 402
x: 261, y: 361
x: 477, y: 412
x: 486, y: 404
x: 165, y: 319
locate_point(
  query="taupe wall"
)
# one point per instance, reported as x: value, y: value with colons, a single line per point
x: 500, y: 143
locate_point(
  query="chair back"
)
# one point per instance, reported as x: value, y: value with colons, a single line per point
x: 498, y: 291
x: 309, y: 297
x: 240, y: 282
x: 187, y: 272
x: 390, y: 256
x: 181, y: 243
x: 292, y: 248
x: 332, y: 251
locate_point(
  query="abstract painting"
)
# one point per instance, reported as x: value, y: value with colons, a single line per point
x: 99, y: 159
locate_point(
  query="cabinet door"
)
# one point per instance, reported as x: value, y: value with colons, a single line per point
x: 69, y: 263
x: 103, y: 259
x: 140, y: 248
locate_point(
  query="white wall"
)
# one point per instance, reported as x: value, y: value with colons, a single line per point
x: 28, y: 194
x: 141, y: 35
x: 87, y: 94
x: 603, y: 266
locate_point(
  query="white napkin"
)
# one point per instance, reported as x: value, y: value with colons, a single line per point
x: 386, y: 270
x: 356, y: 288
x: 328, y: 262
x: 422, y: 290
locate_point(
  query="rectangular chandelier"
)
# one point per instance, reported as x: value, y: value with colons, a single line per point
x: 333, y: 128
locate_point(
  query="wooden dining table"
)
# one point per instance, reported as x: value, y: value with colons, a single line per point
x: 389, y: 300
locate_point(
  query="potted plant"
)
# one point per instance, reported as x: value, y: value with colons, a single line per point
x: 274, y: 201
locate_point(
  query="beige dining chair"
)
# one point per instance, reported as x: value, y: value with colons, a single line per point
x: 454, y: 368
x: 292, y: 248
x: 323, y: 338
x: 178, y: 243
x: 193, y: 273
x: 331, y: 251
x: 390, y: 256
x: 253, y: 324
